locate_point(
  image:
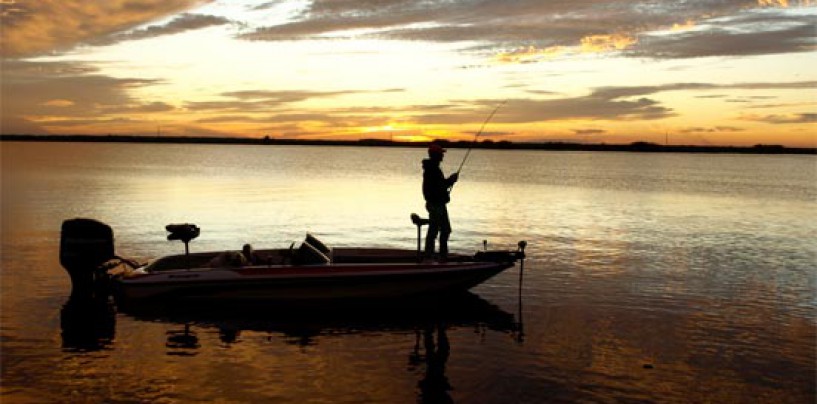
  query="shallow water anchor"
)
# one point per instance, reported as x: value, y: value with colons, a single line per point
x: 419, y: 222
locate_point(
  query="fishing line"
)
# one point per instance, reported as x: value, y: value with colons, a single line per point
x: 467, y: 153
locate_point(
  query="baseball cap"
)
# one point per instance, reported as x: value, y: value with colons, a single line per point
x: 435, y: 148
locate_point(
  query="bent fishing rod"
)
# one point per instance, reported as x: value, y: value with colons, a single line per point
x: 467, y: 153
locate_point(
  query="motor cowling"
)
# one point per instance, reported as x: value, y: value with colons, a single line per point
x: 85, y: 244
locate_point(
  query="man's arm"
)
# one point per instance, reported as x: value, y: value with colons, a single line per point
x: 452, y: 179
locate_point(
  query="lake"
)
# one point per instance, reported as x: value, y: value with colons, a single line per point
x: 650, y: 277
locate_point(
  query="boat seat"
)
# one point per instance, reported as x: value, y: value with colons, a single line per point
x: 308, y: 254
x: 319, y: 245
x: 227, y: 259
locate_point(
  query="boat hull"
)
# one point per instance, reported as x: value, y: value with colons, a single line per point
x: 309, y: 284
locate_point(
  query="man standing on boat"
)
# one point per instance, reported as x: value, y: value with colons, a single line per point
x: 436, y: 188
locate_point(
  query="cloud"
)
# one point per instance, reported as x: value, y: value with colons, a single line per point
x: 587, y: 132
x: 264, y: 100
x: 728, y: 42
x: 716, y: 129
x: 603, y: 103
x: 527, y: 31
x: 604, y: 43
x: 54, y: 91
x: 780, y: 119
x: 182, y: 23
x: 58, y: 103
x: 32, y: 27
x: 515, y: 31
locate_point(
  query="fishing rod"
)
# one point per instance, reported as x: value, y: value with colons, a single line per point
x: 467, y: 153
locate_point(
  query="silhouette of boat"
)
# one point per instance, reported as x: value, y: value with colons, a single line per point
x: 312, y: 273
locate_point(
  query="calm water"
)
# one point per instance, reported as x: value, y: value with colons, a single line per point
x: 666, y: 277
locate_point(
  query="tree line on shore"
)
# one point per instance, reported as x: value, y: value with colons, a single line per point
x: 639, y: 146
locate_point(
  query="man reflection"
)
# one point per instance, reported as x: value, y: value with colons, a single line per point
x: 434, y: 386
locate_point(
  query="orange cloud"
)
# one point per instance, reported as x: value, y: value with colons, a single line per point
x: 31, y: 27
x: 605, y: 43
x: 689, y: 24
x: 782, y: 3
x: 528, y: 54
x: 58, y: 103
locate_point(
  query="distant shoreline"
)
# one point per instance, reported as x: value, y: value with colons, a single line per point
x: 487, y: 144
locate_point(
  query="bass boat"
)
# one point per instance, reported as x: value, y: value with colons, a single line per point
x: 312, y: 272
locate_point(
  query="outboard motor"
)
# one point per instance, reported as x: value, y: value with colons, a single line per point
x: 85, y: 245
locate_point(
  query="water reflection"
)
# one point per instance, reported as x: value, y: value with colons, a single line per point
x: 182, y: 342
x: 429, y: 319
x: 434, y: 385
x: 303, y: 324
x: 88, y: 324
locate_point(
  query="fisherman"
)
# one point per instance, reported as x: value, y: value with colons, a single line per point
x: 436, y: 188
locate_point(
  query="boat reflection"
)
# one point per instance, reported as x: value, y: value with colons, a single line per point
x: 182, y: 343
x: 87, y: 324
x: 91, y: 325
x: 430, y: 319
x: 301, y: 324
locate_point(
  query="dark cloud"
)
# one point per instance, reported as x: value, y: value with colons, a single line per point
x: 509, y: 22
x: 603, y: 103
x: 725, y: 42
x: 32, y: 27
x: 71, y: 90
x: 715, y: 129
x: 722, y: 27
x: 631, y: 91
x: 586, y: 132
x: 182, y: 23
x: 266, y: 5
x: 779, y: 119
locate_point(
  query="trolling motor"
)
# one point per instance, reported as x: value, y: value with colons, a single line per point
x: 184, y: 232
x: 419, y: 222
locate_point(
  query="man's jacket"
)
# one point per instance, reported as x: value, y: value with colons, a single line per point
x: 435, y: 185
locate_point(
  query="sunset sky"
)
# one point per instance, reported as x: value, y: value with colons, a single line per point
x: 706, y: 72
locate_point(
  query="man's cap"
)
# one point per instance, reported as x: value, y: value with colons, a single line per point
x: 435, y: 148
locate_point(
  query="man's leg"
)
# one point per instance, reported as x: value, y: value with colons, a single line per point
x: 445, y: 231
x: 433, y: 229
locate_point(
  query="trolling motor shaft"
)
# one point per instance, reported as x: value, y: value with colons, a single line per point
x: 419, y: 222
x: 184, y: 232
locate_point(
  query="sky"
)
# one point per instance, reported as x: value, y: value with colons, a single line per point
x: 692, y: 72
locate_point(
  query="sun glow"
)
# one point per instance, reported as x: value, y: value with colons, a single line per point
x: 412, y: 138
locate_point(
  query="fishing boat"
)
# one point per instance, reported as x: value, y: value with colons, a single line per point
x: 312, y: 272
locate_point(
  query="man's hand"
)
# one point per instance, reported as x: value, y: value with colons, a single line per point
x: 454, y: 177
